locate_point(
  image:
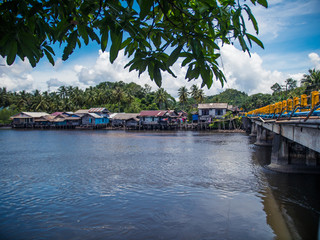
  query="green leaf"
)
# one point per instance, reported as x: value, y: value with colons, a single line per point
x: 92, y: 34
x: 104, y: 39
x: 171, y: 73
x: 12, y: 52
x: 174, y: 55
x: 145, y: 6
x: 263, y: 3
x: 157, y: 74
x: 50, y: 58
x: 143, y: 67
x: 83, y: 33
x: 157, y: 40
x: 126, y: 43
x: 252, y: 18
x: 196, y: 48
x: 129, y: 63
x: 203, y: 8
x: 150, y: 69
x: 256, y: 40
x: 206, y: 76
x: 243, y: 43
x: 116, y: 38
x: 72, y: 41
x: 208, y: 42
x: 49, y: 49
x: 186, y: 61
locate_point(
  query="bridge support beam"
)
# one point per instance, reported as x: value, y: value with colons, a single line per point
x: 311, y: 158
x: 288, y: 156
x: 253, y: 130
x: 280, y: 150
x: 264, y: 137
x: 295, y: 146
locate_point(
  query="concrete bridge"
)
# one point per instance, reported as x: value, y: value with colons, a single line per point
x: 294, y: 144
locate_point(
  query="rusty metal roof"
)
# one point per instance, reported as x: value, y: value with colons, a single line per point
x: 153, y: 113
x: 98, y: 110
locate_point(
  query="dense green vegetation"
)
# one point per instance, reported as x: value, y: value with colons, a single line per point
x: 115, y: 96
x: 132, y: 98
x: 153, y: 33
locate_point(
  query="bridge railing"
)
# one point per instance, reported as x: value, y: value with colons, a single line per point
x: 294, y: 107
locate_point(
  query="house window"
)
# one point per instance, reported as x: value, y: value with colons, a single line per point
x: 205, y: 111
x: 219, y: 112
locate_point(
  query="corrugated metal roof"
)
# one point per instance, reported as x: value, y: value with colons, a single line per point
x: 125, y: 116
x: 56, y: 113
x: 95, y: 110
x: 30, y: 115
x: 95, y: 115
x: 213, y: 105
x: 153, y: 113
x: 82, y: 111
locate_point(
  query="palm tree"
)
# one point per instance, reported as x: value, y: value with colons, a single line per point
x: 118, y: 96
x: 24, y: 102
x: 201, y: 96
x: 62, y: 92
x: 161, y: 97
x: 40, y: 103
x: 194, y: 91
x: 197, y: 93
x: 183, y: 95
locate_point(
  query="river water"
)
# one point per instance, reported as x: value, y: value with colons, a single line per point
x: 148, y: 185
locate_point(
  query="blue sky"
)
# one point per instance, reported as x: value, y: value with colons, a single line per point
x: 289, y: 30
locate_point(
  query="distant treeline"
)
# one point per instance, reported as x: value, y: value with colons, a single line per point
x: 132, y: 98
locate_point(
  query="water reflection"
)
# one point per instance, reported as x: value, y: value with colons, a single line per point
x: 295, y: 198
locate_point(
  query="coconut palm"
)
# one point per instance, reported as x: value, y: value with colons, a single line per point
x: 161, y: 98
x: 183, y: 95
x: 194, y: 91
x: 201, y: 96
x: 197, y: 94
x: 118, y: 96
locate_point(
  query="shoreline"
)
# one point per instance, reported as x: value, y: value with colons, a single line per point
x: 128, y: 129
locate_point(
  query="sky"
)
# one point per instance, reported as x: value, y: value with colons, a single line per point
x: 289, y: 30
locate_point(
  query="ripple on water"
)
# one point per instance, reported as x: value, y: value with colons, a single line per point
x: 119, y: 185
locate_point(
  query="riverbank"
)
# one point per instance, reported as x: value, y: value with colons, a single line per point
x: 133, y: 129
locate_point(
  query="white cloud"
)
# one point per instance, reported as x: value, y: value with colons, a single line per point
x: 315, y: 59
x: 17, y: 76
x: 247, y: 74
x: 242, y: 73
x: 54, y: 82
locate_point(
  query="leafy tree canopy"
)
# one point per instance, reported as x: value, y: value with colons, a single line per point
x: 155, y: 33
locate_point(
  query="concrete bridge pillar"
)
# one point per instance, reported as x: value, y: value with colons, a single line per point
x: 311, y: 158
x: 253, y: 130
x: 280, y: 150
x: 264, y: 136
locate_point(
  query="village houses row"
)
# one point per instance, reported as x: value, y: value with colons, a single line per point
x: 101, y: 117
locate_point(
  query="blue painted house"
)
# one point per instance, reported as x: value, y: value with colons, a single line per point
x: 94, y: 119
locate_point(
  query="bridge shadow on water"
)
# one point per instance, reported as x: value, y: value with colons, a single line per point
x: 290, y: 199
